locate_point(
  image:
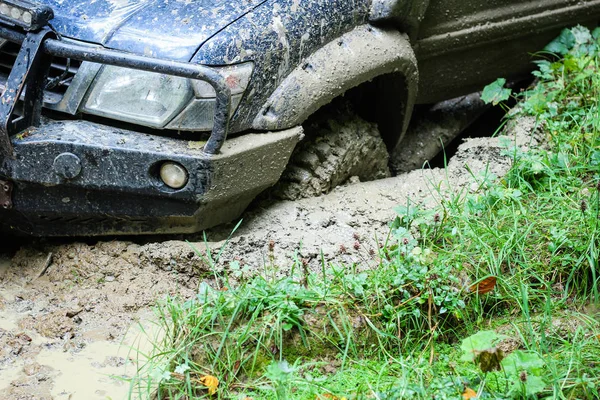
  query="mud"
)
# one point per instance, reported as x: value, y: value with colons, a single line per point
x: 70, y: 312
x: 77, y: 318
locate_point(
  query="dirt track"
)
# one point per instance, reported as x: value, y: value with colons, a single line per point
x: 68, y: 312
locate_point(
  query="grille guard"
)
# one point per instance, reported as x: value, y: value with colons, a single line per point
x: 33, y: 61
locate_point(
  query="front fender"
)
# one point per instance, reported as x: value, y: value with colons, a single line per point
x: 355, y: 58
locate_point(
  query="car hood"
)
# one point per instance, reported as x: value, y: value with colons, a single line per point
x: 171, y: 29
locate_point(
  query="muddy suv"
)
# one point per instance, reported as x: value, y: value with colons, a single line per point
x: 143, y: 116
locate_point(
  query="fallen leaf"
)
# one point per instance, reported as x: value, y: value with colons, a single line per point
x: 469, y: 394
x: 211, y: 383
x: 484, y: 286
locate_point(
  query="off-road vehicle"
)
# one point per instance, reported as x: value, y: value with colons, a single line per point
x: 151, y: 116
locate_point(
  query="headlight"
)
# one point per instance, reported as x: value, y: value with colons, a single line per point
x: 144, y: 98
x: 162, y: 101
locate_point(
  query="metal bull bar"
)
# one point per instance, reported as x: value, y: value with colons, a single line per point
x: 33, y: 62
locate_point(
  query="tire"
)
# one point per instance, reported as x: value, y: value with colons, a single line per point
x: 336, y: 148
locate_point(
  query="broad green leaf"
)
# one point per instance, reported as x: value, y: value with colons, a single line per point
x: 584, y: 42
x: 519, y: 360
x: 481, y: 341
x: 286, y: 326
x: 577, y: 41
x: 595, y: 158
x: 582, y: 35
x: 562, y: 44
x: 525, y: 369
x: 534, y: 385
x: 496, y: 92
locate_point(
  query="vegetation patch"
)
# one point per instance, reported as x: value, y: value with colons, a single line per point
x: 492, y: 295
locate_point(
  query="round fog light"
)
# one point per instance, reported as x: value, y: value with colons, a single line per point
x: 173, y: 175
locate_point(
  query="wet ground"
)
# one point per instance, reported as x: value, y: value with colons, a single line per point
x: 70, y: 311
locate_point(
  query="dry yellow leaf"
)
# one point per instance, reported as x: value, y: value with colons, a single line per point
x: 211, y: 383
x: 469, y: 394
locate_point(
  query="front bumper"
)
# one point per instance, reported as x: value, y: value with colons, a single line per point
x: 81, y: 178
x: 117, y: 189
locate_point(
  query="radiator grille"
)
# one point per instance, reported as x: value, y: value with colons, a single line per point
x: 62, y: 70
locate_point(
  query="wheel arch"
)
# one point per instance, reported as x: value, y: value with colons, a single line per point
x: 365, y: 54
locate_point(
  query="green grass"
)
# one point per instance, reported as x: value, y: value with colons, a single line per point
x: 412, y: 325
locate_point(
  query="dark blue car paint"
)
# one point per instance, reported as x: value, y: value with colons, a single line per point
x: 158, y: 28
x: 277, y: 37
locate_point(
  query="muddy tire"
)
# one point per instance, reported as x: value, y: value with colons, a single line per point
x: 334, y: 150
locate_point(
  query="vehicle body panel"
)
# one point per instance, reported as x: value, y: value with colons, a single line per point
x: 462, y: 46
x: 117, y: 189
x: 359, y: 56
x: 278, y: 37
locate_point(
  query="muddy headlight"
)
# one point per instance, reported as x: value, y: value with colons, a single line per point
x: 162, y: 101
x: 144, y: 98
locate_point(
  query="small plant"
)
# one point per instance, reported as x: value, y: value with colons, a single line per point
x: 523, y: 371
x: 495, y: 93
x: 281, y: 375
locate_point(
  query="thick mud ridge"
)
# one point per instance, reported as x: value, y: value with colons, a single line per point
x: 70, y: 313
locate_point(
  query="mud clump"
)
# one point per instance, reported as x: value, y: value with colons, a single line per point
x: 13, y: 345
x: 87, y: 291
x: 56, y: 325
